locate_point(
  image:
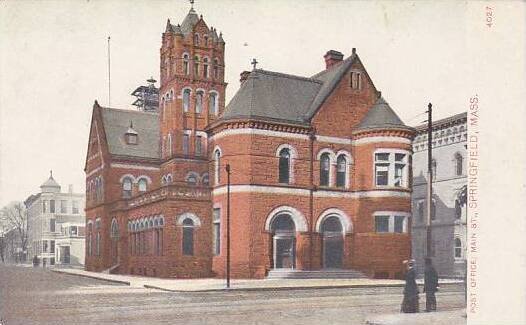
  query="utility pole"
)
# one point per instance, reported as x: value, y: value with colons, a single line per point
x: 429, y: 239
x: 228, y: 226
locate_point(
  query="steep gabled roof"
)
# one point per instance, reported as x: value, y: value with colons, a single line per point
x: 273, y: 96
x: 116, y: 124
x: 283, y: 97
x: 381, y: 116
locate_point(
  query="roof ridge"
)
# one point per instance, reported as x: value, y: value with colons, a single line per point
x: 127, y: 110
x: 444, y: 120
x: 287, y: 75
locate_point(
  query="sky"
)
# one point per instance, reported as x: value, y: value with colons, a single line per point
x: 53, y: 63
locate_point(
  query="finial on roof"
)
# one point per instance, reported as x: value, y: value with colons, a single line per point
x: 201, y: 16
x: 131, y: 124
x: 254, y: 63
x: 354, y: 50
x: 51, y: 173
x: 192, y: 5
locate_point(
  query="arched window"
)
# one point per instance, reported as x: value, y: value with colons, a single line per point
x: 191, y: 179
x: 97, y: 238
x: 458, y: 164
x: 216, y: 68
x: 325, y: 165
x: 205, y: 180
x: 196, y: 39
x: 186, y: 100
x: 199, y: 102
x: 169, y: 145
x: 458, y: 248
x: 143, y: 185
x: 127, y: 187
x: 206, y: 40
x: 186, y: 69
x: 341, y: 171
x: 283, y: 223
x: 284, y: 166
x: 458, y: 209
x: 169, y: 179
x: 205, y: 67
x: 212, y: 103
x: 196, y: 66
x: 217, y: 166
x: 188, y: 237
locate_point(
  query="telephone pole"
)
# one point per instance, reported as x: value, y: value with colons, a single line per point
x: 429, y: 239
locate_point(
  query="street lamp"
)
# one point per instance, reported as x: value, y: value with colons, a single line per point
x: 227, y: 168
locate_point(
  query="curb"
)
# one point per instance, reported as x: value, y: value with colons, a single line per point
x: 93, y: 277
x: 348, y: 286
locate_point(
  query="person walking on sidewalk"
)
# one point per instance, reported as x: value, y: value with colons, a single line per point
x: 410, y: 302
x: 430, y: 285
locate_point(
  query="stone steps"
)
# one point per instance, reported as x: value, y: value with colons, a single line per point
x: 317, y: 274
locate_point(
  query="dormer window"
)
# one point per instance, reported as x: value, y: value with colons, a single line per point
x: 131, y: 136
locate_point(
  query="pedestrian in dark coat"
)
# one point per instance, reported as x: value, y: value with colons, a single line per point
x: 430, y: 285
x: 410, y: 302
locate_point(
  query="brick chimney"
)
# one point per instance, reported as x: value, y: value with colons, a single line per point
x: 332, y: 57
x: 243, y: 76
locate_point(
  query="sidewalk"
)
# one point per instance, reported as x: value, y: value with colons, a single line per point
x: 453, y: 317
x: 213, y: 284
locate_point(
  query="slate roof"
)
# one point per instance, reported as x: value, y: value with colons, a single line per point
x: 273, y: 96
x: 189, y: 22
x: 293, y: 99
x: 381, y: 116
x: 50, y: 182
x: 117, y: 122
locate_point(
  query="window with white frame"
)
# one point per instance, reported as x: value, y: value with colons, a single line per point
x: 142, y: 185
x: 186, y: 70
x: 212, y: 103
x: 391, y: 168
x: 284, y: 166
x: 341, y: 171
x: 199, y: 101
x: 74, y: 207
x: 217, y: 231
x: 127, y: 187
x: 186, y: 100
x: 356, y: 80
x: 391, y: 222
x: 325, y: 165
x: 458, y: 248
x: 63, y: 206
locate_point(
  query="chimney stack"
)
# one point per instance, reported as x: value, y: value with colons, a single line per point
x: 243, y: 76
x: 332, y: 57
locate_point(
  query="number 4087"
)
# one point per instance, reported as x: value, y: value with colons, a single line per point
x: 489, y: 16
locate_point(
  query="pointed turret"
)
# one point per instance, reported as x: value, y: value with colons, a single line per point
x: 50, y: 185
x: 381, y: 116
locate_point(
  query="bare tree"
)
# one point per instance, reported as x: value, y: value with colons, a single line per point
x: 2, y: 247
x: 15, y: 216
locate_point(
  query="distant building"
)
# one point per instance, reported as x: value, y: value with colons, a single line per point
x: 13, y: 252
x: 449, y: 177
x: 56, y: 225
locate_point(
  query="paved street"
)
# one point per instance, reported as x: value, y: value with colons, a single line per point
x: 29, y: 296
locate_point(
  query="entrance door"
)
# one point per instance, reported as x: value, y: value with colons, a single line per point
x: 284, y: 242
x: 64, y: 255
x: 332, y: 251
x: 332, y: 243
x: 284, y: 253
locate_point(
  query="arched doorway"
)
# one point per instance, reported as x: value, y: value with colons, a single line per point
x: 332, y: 242
x: 283, y: 241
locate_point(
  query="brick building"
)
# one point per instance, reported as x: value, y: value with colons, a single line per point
x: 448, y: 221
x: 319, y: 170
